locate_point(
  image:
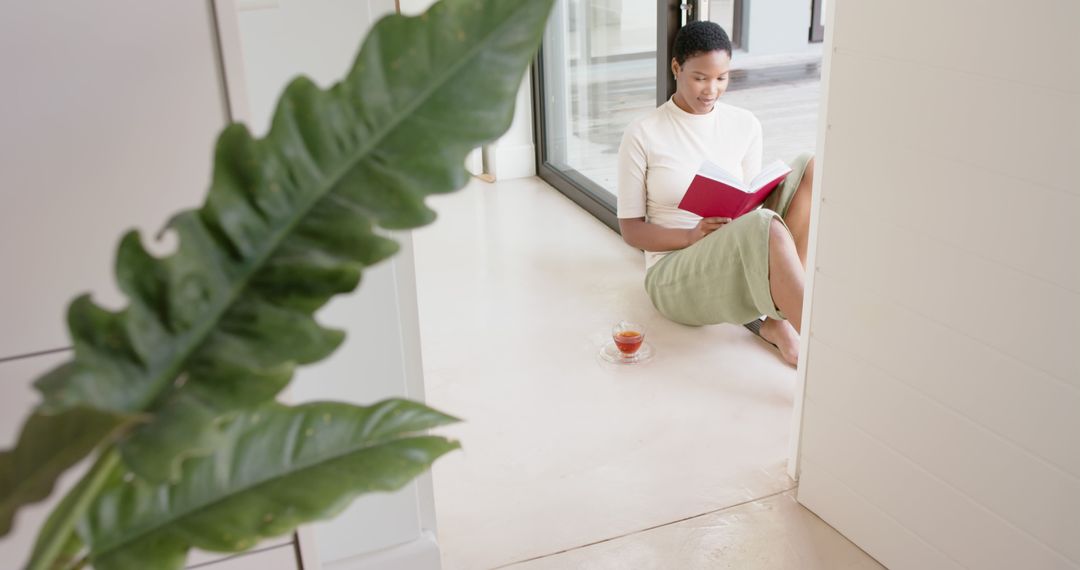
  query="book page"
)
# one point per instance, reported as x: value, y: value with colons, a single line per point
x: 712, y: 170
x: 772, y: 171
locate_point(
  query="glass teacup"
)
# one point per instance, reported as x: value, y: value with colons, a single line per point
x: 628, y: 337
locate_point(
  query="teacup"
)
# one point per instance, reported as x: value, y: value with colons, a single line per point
x: 628, y: 337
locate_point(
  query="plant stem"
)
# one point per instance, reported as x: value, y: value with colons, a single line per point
x: 57, y: 530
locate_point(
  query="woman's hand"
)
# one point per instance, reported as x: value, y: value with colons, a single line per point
x: 651, y: 237
x: 703, y: 228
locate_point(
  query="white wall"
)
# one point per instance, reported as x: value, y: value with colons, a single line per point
x: 110, y: 112
x: 104, y: 126
x: 414, y: 7
x: 513, y: 155
x: 942, y: 416
x: 776, y: 26
x: 317, y: 38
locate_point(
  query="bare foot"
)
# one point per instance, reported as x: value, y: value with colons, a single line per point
x: 783, y: 335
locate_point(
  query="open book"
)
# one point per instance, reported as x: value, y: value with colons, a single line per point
x: 715, y: 192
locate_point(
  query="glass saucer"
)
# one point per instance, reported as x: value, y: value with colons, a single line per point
x: 611, y: 353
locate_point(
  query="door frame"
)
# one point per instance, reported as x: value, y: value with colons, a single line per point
x: 816, y: 201
x: 226, y: 21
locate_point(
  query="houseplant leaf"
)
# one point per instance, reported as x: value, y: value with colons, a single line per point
x: 278, y: 467
x: 289, y: 222
x: 57, y: 546
x: 48, y: 446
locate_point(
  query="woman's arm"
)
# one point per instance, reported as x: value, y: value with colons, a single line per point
x: 643, y: 235
x: 633, y: 164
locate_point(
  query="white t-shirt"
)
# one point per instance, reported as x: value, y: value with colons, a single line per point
x: 661, y: 152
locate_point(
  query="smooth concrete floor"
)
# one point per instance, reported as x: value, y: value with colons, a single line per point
x: 518, y: 289
x: 774, y: 532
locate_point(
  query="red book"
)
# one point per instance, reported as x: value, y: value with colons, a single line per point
x: 716, y: 193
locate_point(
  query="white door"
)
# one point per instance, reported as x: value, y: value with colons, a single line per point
x: 941, y: 425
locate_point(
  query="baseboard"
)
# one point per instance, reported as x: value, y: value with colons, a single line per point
x: 510, y: 161
x: 474, y: 162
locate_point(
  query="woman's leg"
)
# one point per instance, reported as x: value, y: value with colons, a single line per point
x: 797, y: 217
x: 786, y: 276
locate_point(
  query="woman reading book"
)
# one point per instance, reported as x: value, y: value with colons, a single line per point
x: 713, y: 270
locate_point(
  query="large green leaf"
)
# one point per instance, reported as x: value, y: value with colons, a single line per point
x: 279, y: 467
x: 289, y: 222
x: 58, y: 547
x: 48, y: 446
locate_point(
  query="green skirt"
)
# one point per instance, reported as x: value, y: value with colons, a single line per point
x: 724, y: 278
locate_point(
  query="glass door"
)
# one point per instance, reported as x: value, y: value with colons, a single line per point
x: 596, y: 72
x: 727, y: 13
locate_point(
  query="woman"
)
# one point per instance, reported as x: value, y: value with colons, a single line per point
x: 713, y: 270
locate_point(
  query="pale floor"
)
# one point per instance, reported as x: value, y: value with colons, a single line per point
x: 570, y: 462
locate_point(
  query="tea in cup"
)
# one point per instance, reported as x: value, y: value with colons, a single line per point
x: 628, y: 337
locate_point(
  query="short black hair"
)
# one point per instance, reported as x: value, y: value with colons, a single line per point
x: 699, y: 37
